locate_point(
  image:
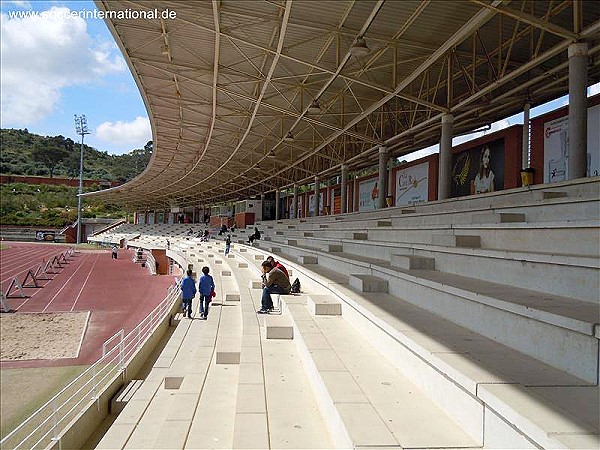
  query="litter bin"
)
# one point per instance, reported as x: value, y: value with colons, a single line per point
x: 527, y: 176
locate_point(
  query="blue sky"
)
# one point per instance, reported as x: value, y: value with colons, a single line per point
x: 53, y: 67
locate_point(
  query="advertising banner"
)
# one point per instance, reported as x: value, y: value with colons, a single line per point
x: 368, y: 195
x: 311, y: 204
x: 478, y: 169
x: 556, y: 147
x: 412, y: 185
x: 47, y: 235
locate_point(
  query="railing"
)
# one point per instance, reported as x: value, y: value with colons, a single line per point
x: 150, y: 262
x: 46, y: 424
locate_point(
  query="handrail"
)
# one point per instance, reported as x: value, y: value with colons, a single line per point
x: 43, y: 426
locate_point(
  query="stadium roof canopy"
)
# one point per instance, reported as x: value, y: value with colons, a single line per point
x: 248, y: 96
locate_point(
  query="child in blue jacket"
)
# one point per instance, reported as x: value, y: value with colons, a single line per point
x: 206, y: 286
x: 188, y: 291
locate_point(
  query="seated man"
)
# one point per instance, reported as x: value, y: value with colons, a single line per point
x: 274, y: 282
x: 278, y: 265
x: 255, y: 236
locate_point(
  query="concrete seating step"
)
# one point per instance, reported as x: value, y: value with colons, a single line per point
x: 498, y: 218
x: 412, y: 262
x: 367, y: 283
x: 279, y: 327
x: 323, y: 305
x: 547, y: 195
x: 118, y: 402
x: 307, y: 259
x: 452, y: 240
x: 359, y: 392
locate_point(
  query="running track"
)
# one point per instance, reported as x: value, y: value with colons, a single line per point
x: 118, y: 293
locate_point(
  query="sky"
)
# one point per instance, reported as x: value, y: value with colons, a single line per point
x: 53, y: 67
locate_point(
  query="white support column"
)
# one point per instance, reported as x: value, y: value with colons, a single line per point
x: 383, y: 152
x: 344, y: 188
x: 295, y: 202
x: 578, y: 77
x: 525, y: 153
x: 445, y: 168
x: 277, y: 212
x: 317, y: 187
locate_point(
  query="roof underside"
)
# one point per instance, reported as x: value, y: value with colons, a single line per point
x: 225, y: 81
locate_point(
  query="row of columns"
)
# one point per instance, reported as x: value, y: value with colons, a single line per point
x: 578, y: 61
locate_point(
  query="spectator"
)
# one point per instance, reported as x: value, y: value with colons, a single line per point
x: 168, y: 244
x: 206, y: 286
x: 223, y: 229
x: 190, y: 231
x: 255, y: 236
x: 188, y: 291
x: 278, y: 265
x: 274, y: 282
x: 227, y: 244
x: 114, y: 252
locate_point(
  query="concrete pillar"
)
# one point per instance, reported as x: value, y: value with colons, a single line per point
x: 277, y: 208
x: 355, y: 194
x: 525, y: 152
x: 578, y: 78
x: 382, y: 176
x: 344, y: 189
x: 445, y: 169
x: 317, y: 187
x: 390, y: 178
x: 295, y: 202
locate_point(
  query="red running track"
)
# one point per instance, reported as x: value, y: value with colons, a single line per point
x: 118, y: 293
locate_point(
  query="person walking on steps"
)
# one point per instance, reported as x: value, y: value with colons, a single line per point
x: 227, y: 244
x: 188, y: 292
x: 206, y: 286
x: 274, y: 282
x: 114, y: 252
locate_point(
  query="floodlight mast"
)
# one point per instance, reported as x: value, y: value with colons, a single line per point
x: 82, y: 129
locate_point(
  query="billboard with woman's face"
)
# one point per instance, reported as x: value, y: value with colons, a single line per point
x: 478, y: 170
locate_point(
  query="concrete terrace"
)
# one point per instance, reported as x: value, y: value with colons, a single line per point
x: 453, y: 324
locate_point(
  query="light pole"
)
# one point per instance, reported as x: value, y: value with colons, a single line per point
x: 82, y: 130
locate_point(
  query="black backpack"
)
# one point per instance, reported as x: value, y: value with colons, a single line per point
x: 295, y: 289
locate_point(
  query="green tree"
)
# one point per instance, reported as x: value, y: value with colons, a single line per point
x: 49, y: 155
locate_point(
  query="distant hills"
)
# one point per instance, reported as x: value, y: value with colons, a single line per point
x: 25, y: 153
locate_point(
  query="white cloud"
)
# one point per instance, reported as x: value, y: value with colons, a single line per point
x: 43, y: 53
x: 21, y: 4
x: 136, y: 132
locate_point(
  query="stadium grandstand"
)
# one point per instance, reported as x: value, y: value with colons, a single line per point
x: 447, y: 301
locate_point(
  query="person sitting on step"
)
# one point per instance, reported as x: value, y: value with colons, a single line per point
x: 274, y: 282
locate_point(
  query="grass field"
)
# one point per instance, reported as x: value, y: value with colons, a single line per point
x: 23, y: 391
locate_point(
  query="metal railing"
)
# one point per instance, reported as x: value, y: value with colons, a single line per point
x: 47, y: 423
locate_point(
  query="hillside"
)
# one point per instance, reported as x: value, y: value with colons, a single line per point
x: 24, y: 153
